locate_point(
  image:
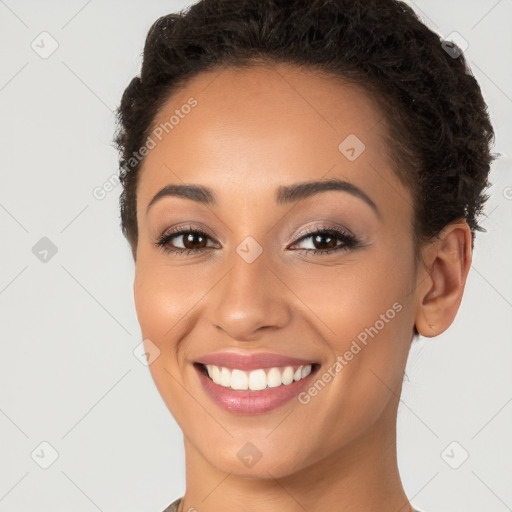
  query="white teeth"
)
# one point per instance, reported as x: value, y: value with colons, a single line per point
x: 287, y: 377
x: 256, y: 380
x: 273, y: 378
x: 239, y: 380
x: 306, y: 371
x: 225, y: 378
x: 216, y: 374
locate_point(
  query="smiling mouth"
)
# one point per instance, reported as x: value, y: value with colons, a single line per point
x: 257, y: 379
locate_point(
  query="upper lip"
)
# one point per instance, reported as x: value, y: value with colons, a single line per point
x: 253, y: 361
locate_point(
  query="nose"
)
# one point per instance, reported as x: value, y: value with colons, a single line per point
x: 251, y: 299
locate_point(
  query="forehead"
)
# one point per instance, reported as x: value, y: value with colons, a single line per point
x: 253, y: 129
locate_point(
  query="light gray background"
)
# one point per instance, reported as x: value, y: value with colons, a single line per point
x: 68, y: 374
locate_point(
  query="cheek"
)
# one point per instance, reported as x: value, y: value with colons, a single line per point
x: 353, y: 297
x: 160, y: 297
x: 162, y: 303
x: 364, y: 312
x: 169, y: 301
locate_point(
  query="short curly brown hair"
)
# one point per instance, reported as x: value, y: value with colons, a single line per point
x: 436, y: 118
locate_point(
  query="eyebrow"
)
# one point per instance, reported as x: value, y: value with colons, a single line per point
x: 285, y: 194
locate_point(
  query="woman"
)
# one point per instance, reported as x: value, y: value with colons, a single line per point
x: 301, y: 189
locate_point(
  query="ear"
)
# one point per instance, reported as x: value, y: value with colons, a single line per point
x: 441, y: 280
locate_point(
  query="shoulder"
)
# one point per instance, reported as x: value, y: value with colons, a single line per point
x: 173, y: 507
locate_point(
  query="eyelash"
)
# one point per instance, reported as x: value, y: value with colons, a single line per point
x: 349, y: 241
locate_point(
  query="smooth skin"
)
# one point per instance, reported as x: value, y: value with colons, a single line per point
x: 252, y: 131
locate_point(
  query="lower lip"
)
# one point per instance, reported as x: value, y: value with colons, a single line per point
x: 252, y: 402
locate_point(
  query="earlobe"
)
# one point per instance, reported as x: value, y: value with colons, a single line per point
x: 447, y: 260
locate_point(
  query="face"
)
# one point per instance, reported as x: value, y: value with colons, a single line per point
x: 321, y: 275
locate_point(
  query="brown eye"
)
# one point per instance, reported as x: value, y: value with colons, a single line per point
x: 184, y: 241
x: 325, y: 241
x: 194, y: 241
x: 328, y: 241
